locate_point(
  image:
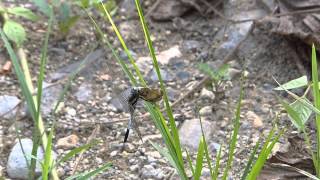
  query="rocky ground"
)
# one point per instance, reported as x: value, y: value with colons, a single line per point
x: 91, y: 107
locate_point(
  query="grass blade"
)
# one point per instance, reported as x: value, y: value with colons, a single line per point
x: 265, y: 151
x: 316, y: 97
x: 75, y: 151
x: 114, y: 27
x: 164, y: 153
x: 114, y: 52
x: 217, y: 165
x: 90, y: 174
x: 199, y: 160
x: 190, y: 163
x: 48, y: 156
x: 250, y: 161
x: 234, y: 136
x: 206, y: 150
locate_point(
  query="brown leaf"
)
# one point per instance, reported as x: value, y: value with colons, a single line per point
x: 293, y: 153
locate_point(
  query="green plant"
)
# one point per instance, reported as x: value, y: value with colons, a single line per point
x: 64, y: 15
x: 172, y: 150
x: 300, y: 110
x: 217, y: 76
x: 12, y: 29
x: 48, y: 165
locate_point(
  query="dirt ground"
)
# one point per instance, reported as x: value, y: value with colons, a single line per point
x: 91, y: 104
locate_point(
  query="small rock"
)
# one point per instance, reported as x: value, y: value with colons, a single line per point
x: 214, y: 147
x: 134, y: 168
x: 166, y: 76
x: 123, y: 55
x: 71, y: 111
x: 7, y: 105
x: 61, y: 172
x: 113, y: 153
x: 206, y: 111
x: 183, y: 76
x: 68, y: 142
x: 206, y: 94
x: 165, y: 56
x: 177, y: 64
x: 154, y: 154
x: 234, y: 72
x: 105, y: 77
x: 84, y: 92
x: 148, y: 171
x: 128, y: 8
x: 205, y: 173
x: 172, y: 94
x: 144, y: 63
x: 190, y: 132
x: 17, y: 165
x: 50, y: 95
x: 191, y: 45
x: 129, y: 30
x: 256, y: 120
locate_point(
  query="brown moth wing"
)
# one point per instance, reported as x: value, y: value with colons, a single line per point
x: 151, y: 94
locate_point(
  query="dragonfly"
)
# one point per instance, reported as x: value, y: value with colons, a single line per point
x: 130, y: 97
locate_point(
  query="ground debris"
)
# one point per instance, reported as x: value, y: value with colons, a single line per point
x: 298, y: 19
x: 294, y: 154
x: 170, y: 9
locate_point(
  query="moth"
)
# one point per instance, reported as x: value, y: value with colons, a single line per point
x: 129, y: 99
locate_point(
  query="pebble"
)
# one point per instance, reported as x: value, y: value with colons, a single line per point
x: 205, y: 111
x: 234, y: 73
x: 183, y: 76
x: 113, y: 153
x: 255, y: 119
x: 172, y: 94
x: 50, y: 97
x: 71, y: 111
x: 123, y: 55
x: 206, y: 94
x: 190, y: 132
x: 166, y: 76
x: 68, y: 142
x: 129, y: 30
x: 134, y: 167
x: 128, y: 8
x: 165, y: 56
x: 8, y: 103
x: 214, y: 147
x: 148, y: 171
x: 191, y: 45
x: 84, y: 92
x: 17, y: 166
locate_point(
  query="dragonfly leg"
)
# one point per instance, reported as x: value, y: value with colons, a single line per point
x: 136, y: 128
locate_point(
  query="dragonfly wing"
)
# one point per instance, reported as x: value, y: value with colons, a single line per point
x: 128, y: 99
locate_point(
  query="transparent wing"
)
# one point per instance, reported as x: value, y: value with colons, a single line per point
x: 124, y: 100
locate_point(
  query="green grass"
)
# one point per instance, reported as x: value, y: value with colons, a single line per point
x: 316, y: 97
x: 166, y: 124
x: 22, y: 72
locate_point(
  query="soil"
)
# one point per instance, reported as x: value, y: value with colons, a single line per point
x: 262, y: 56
